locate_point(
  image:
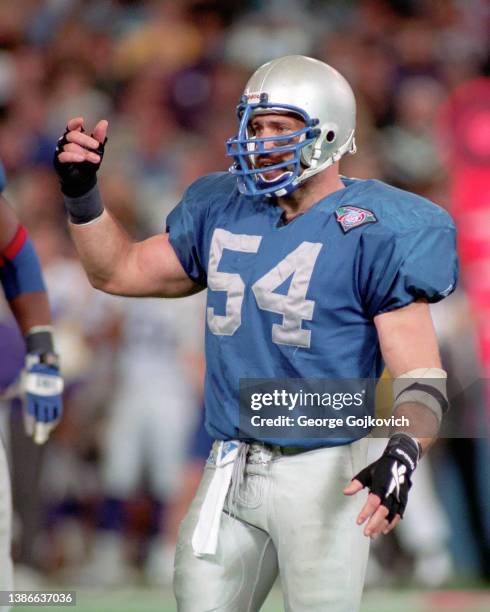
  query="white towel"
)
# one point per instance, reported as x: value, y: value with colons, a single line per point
x: 205, y: 536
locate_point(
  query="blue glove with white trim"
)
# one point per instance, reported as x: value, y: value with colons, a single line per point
x: 43, y: 388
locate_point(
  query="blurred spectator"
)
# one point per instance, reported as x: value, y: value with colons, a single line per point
x: 152, y: 414
x: 409, y: 153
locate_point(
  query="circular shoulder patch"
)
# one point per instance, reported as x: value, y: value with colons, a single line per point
x: 352, y: 216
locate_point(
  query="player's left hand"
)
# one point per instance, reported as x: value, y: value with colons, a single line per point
x: 43, y: 388
x: 388, y: 480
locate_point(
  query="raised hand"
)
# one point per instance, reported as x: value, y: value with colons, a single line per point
x: 78, y: 156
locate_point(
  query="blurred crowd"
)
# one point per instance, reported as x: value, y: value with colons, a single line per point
x: 103, y: 500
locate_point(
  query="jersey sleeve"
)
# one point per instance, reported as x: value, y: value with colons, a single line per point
x: 185, y: 226
x: 3, y: 178
x: 397, y: 269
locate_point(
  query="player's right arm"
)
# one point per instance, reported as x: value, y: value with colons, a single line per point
x: 114, y: 263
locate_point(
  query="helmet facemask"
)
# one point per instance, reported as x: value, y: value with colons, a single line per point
x: 245, y: 148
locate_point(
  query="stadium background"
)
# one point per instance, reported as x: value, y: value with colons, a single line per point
x: 168, y: 75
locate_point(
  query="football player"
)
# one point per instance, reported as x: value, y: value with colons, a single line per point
x: 40, y: 383
x: 309, y: 275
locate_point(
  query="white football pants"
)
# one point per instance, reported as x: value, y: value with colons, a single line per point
x: 291, y: 518
x: 6, y: 570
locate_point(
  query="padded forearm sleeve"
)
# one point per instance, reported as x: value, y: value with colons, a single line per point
x: 20, y: 271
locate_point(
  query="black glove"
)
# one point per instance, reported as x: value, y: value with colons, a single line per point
x: 390, y: 476
x: 76, y: 178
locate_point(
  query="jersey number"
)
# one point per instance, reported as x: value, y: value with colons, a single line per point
x: 294, y: 307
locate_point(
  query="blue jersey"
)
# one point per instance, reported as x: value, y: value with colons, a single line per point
x: 297, y: 300
x: 3, y: 178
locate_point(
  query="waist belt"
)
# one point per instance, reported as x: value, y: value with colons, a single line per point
x: 285, y: 450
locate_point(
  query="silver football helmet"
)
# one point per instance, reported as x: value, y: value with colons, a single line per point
x: 318, y: 94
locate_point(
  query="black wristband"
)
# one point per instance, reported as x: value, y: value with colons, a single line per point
x: 85, y: 208
x: 39, y: 340
x: 404, y: 447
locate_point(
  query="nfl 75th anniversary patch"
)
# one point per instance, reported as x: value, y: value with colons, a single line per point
x: 352, y: 216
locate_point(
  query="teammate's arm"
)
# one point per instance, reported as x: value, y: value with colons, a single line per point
x: 23, y: 286
x: 29, y: 309
x: 408, y: 343
x: 112, y: 261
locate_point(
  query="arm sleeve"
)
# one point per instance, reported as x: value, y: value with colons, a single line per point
x: 20, y: 270
x: 3, y: 178
x: 185, y: 226
x: 397, y: 269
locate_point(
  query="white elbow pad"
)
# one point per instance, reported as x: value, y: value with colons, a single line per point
x: 425, y: 386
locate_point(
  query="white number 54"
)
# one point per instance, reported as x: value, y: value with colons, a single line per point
x: 294, y: 307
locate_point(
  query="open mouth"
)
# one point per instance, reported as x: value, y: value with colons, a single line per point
x: 271, y: 173
x: 266, y: 163
x: 268, y: 174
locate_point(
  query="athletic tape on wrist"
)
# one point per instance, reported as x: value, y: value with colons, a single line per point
x: 84, y: 209
x: 426, y: 386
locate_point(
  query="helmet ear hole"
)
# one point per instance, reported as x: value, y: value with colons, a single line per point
x: 330, y: 136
